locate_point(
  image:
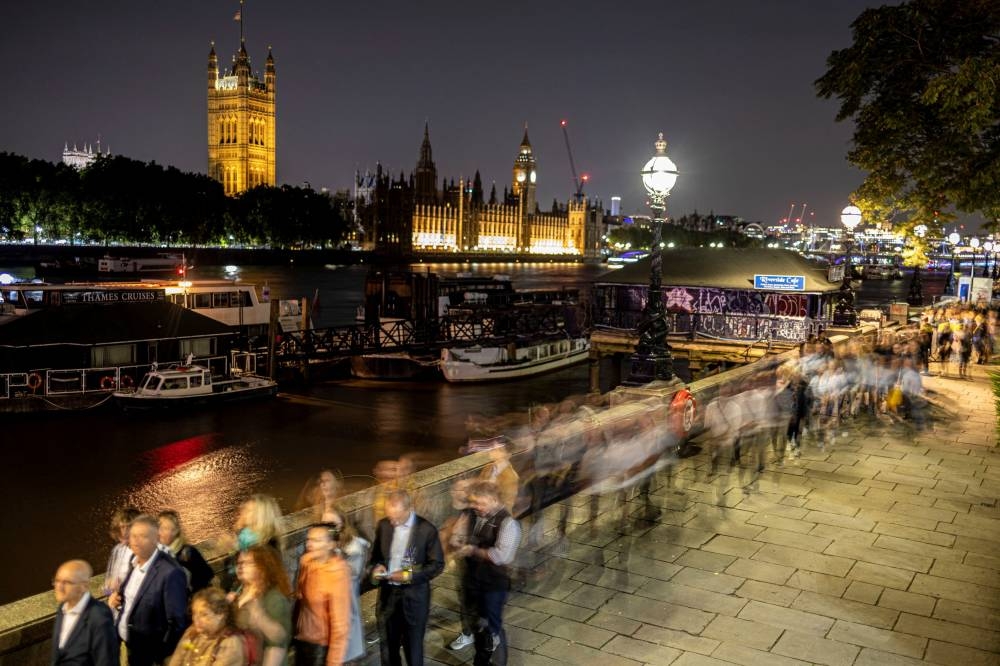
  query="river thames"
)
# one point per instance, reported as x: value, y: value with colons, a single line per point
x: 64, y: 474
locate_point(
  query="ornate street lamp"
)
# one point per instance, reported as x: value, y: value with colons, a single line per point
x: 988, y: 247
x: 844, y: 313
x: 949, y: 287
x: 652, y: 360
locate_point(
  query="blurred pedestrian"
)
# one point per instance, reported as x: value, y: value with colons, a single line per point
x: 120, y: 559
x: 323, y: 616
x: 262, y: 602
x: 212, y: 639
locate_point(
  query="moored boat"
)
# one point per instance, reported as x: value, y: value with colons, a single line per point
x: 190, y: 384
x: 513, y: 361
x: 163, y: 265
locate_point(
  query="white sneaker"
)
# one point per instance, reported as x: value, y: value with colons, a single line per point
x: 462, y: 641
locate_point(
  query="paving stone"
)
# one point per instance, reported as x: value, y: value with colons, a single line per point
x: 643, y: 566
x: 524, y: 639
x: 967, y: 573
x: 682, y: 536
x: 827, y: 505
x: 518, y: 658
x: 746, y: 632
x: 708, y: 580
x: 879, y: 639
x: 520, y: 617
x: 741, y: 654
x: 870, y: 657
x: 844, y: 534
x: 815, y: 649
x: 984, y: 561
x: 778, y: 595
x: 676, y: 639
x: 660, y: 613
x: 803, y: 559
x: 956, y: 590
x: 782, y: 522
x: 917, y: 604
x: 899, y: 519
x: 569, y: 652
x: 915, y: 534
x: 817, y: 582
x: 987, y: 525
x: 963, y: 613
x: 845, y: 609
x: 838, y: 520
x: 691, y: 659
x: 589, y: 596
x: 727, y: 545
x: 939, y: 652
x: 550, y: 607
x: 950, y: 632
x: 923, y: 512
x: 786, y: 618
x: 877, y: 574
x: 647, y: 653
x: 615, y: 579
x: 864, y: 592
x: 726, y: 527
x: 693, y: 597
x: 970, y: 531
x: 916, y: 547
x: 705, y: 560
x: 616, y: 623
x: 769, y: 573
x: 889, y: 558
x: 794, y: 539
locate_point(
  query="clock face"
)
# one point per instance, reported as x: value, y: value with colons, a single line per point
x: 520, y: 176
x: 532, y: 176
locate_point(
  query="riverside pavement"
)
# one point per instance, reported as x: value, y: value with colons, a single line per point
x: 882, y: 549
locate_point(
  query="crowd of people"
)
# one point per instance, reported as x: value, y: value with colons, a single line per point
x: 166, y: 605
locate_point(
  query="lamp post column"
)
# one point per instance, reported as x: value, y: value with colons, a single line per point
x: 974, y: 244
x: 951, y: 288
x: 844, y: 313
x: 652, y: 360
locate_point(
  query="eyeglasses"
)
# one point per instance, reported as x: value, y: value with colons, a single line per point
x: 63, y: 581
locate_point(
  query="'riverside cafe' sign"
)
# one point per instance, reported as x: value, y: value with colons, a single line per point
x: 779, y: 282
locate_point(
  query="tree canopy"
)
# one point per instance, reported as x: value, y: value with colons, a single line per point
x: 118, y: 199
x: 921, y: 82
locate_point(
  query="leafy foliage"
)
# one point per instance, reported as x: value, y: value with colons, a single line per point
x: 118, y: 199
x: 922, y: 84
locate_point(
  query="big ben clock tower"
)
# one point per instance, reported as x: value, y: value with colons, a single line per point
x: 524, y: 174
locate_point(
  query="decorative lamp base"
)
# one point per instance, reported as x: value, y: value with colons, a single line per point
x: 649, y: 366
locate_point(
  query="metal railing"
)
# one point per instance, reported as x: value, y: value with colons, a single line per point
x: 81, y: 381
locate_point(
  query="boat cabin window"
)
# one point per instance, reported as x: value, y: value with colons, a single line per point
x: 174, y: 383
x: 195, y: 381
x: 202, y: 300
x: 149, y: 382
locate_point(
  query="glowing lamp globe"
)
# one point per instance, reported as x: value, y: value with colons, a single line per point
x: 953, y: 238
x: 974, y: 242
x: 920, y: 230
x: 850, y: 217
x: 660, y: 173
x: 988, y: 246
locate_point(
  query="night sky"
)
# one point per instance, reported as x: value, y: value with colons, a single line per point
x: 729, y: 83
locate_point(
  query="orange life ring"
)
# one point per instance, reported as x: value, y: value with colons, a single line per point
x: 34, y: 381
x: 127, y: 382
x: 682, y: 413
x: 107, y: 383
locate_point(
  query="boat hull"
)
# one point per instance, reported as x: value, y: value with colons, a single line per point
x: 392, y: 367
x: 457, y: 370
x: 133, y: 402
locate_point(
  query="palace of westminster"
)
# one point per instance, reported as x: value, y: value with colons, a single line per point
x: 398, y: 215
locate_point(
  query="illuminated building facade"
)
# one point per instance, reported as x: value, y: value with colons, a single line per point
x: 457, y: 219
x: 81, y: 158
x: 241, y: 123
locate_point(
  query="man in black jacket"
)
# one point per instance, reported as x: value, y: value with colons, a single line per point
x: 152, y: 600
x: 405, y: 557
x: 84, y: 633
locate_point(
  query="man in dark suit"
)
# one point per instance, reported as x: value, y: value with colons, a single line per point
x: 84, y: 634
x: 152, y: 601
x: 405, y: 557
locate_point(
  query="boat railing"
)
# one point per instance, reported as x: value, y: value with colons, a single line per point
x: 81, y: 381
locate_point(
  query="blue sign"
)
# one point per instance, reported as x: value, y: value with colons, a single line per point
x: 780, y: 282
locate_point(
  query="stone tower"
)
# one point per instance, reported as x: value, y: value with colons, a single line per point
x: 524, y: 174
x: 425, y: 176
x: 241, y: 123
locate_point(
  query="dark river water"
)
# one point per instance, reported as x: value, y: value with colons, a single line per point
x: 63, y: 475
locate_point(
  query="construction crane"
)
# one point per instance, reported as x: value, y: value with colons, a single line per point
x: 577, y: 182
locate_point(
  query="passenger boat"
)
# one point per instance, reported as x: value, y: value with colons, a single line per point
x: 162, y: 265
x: 191, y: 384
x: 513, y: 361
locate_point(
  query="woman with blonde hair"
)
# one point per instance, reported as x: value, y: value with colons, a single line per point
x: 259, y: 521
x: 120, y: 560
x: 212, y: 639
x: 262, y: 602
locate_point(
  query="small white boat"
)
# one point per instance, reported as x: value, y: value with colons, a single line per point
x: 514, y: 361
x: 190, y: 384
